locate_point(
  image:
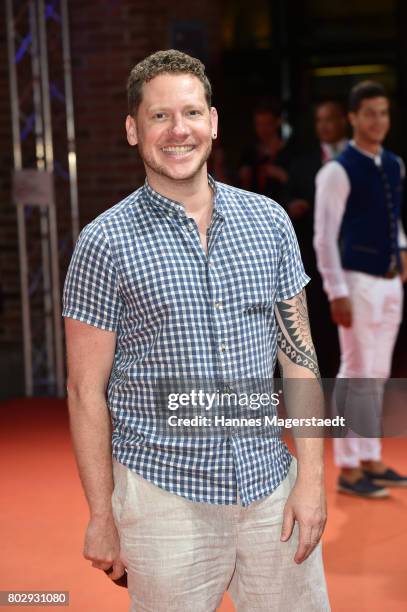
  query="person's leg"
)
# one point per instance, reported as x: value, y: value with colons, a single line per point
x: 347, y: 453
x: 266, y: 578
x: 179, y: 555
x: 358, y: 345
x: 386, y: 334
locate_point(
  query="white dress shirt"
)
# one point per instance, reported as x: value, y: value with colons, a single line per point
x: 332, y: 191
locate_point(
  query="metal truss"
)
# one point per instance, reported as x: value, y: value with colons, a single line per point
x: 45, y: 178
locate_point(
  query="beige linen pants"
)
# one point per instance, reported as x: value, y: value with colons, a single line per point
x: 181, y: 556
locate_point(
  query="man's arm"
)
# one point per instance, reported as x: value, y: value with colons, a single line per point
x: 403, y: 251
x: 402, y: 238
x: 90, y: 353
x: 297, y: 360
x: 332, y: 190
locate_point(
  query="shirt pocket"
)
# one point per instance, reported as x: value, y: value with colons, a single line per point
x: 258, y: 298
x: 257, y: 307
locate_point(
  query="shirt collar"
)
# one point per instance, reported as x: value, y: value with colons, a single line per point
x: 331, y: 151
x: 376, y: 158
x: 173, y: 207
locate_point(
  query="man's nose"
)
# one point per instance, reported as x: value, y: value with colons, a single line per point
x: 179, y: 127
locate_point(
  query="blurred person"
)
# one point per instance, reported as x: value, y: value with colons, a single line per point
x: 217, y: 164
x: 264, y: 164
x: 330, y: 126
x: 330, y: 129
x: 361, y: 253
x: 154, y: 290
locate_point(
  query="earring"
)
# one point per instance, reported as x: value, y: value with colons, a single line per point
x: 214, y: 135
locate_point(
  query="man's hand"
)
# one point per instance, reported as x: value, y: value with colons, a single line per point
x: 297, y: 208
x: 341, y: 311
x: 102, y: 546
x: 403, y: 257
x: 306, y: 504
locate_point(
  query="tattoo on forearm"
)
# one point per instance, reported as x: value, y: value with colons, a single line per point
x: 293, y: 332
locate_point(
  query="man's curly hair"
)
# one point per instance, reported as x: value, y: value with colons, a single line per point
x: 164, y: 62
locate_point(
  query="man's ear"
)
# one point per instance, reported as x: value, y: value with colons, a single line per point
x: 351, y: 119
x: 214, y: 121
x: 131, y: 130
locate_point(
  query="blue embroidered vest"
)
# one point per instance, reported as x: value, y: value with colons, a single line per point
x: 368, y: 237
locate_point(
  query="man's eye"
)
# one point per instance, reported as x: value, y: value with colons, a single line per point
x: 159, y: 115
x: 194, y: 112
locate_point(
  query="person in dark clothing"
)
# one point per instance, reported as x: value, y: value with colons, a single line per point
x: 264, y: 164
x: 330, y: 129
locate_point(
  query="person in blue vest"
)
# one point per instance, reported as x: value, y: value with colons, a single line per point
x: 361, y: 254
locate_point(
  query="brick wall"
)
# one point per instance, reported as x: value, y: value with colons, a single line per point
x: 107, y: 39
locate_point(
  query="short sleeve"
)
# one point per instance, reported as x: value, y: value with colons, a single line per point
x: 291, y: 274
x: 91, y: 289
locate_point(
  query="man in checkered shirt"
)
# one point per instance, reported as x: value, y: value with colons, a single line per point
x: 188, y: 277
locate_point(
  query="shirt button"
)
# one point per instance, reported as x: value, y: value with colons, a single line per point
x: 210, y: 263
x: 223, y: 348
x: 218, y: 304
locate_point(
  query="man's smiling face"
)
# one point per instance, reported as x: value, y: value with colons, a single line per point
x: 173, y: 127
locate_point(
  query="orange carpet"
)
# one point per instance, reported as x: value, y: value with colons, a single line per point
x: 43, y: 516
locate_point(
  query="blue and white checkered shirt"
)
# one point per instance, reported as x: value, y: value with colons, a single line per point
x: 139, y: 269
